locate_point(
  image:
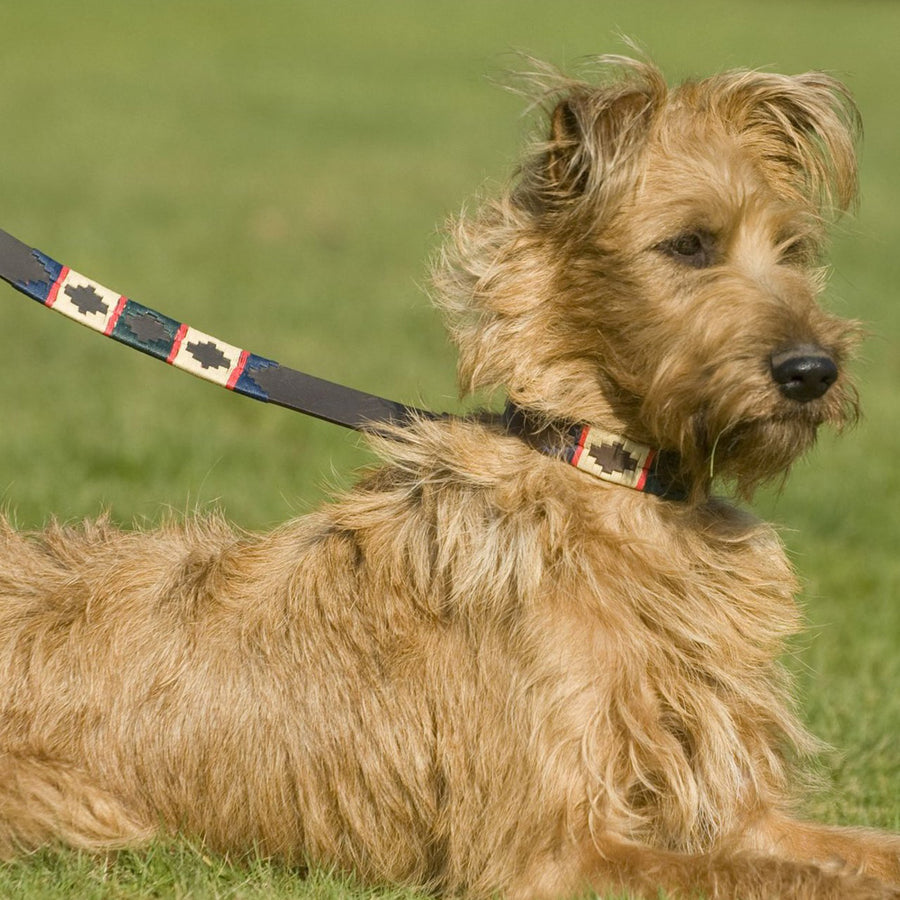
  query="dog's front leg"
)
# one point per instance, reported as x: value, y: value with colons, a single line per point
x: 727, y: 874
x: 875, y: 853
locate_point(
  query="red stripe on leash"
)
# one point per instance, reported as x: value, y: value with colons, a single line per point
x: 238, y: 369
x: 115, y: 316
x: 54, y: 288
x: 176, y: 343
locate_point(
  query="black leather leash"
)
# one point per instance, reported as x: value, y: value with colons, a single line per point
x: 57, y: 286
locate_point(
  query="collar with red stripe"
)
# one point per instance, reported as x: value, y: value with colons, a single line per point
x: 611, y: 457
x: 605, y: 455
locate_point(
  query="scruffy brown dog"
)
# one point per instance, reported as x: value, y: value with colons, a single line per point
x: 485, y: 670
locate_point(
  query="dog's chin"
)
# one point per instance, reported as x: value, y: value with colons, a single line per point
x: 731, y: 442
x: 762, y: 450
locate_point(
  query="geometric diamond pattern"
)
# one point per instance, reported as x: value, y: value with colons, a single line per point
x: 208, y: 355
x: 83, y: 300
x: 612, y: 457
x: 86, y: 299
x: 205, y: 356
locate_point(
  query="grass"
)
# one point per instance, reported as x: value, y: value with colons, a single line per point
x: 175, y: 871
x: 273, y: 173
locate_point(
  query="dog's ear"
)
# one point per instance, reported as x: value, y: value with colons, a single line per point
x: 593, y: 133
x: 566, y: 162
x: 806, y: 124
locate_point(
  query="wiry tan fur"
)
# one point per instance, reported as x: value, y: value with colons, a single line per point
x: 483, y: 671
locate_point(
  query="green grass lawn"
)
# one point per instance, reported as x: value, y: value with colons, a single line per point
x: 275, y: 173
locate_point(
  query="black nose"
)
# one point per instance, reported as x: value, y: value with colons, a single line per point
x: 803, y: 373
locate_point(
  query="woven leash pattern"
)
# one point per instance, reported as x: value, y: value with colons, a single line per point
x: 89, y: 303
x: 86, y: 301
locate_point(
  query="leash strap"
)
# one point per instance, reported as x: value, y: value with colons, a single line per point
x: 85, y: 301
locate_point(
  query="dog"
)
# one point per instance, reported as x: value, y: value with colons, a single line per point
x: 531, y: 654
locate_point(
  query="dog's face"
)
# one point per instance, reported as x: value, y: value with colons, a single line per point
x: 667, y: 267
x: 717, y: 245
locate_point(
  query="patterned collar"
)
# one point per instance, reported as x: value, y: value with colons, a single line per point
x: 603, y: 454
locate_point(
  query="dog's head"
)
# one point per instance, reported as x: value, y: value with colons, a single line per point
x: 656, y: 267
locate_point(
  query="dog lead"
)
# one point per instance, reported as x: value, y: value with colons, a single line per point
x: 85, y: 301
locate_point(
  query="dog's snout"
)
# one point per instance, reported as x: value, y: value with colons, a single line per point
x: 803, y: 373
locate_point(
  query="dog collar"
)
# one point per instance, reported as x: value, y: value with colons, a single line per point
x: 611, y: 457
x: 605, y: 455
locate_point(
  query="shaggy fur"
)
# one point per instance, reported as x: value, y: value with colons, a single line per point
x: 483, y: 671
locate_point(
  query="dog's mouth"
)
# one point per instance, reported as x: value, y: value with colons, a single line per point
x: 789, y: 414
x: 758, y: 448
x: 806, y: 390
x: 790, y: 419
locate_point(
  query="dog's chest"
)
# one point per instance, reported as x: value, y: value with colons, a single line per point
x: 673, y: 633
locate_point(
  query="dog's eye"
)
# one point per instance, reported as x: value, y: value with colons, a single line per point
x: 691, y: 248
x: 796, y: 251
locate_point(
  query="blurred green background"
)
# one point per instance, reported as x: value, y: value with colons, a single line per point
x: 276, y: 173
